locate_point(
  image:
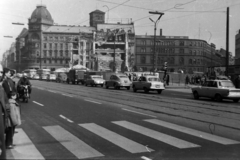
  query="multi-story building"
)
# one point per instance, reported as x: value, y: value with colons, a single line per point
x: 46, y: 45
x: 180, y: 52
x: 237, y: 48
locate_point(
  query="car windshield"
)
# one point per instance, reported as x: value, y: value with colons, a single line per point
x: 123, y: 77
x: 153, y: 79
x: 52, y: 75
x: 227, y: 84
x: 95, y: 77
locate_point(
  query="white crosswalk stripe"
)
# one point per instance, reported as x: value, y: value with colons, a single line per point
x: 193, y: 132
x: 79, y: 148
x: 24, y: 149
x: 115, y: 138
x: 157, y: 135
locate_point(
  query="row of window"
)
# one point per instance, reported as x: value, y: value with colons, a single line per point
x: 55, y: 61
x: 171, y: 60
x: 55, y: 45
x: 172, y: 50
x: 186, y: 70
x: 50, y: 53
x: 173, y: 43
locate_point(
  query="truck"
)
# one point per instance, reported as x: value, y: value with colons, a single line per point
x: 74, y: 76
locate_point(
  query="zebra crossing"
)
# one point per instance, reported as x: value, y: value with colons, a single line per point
x: 25, y: 148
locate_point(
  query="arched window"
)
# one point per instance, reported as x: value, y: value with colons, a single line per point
x: 181, y: 60
x: 190, y: 61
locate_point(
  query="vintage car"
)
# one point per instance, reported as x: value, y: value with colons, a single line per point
x: 148, y: 83
x: 44, y: 77
x: 217, y: 90
x: 52, y: 77
x: 118, y: 81
x: 94, y: 80
x: 36, y: 76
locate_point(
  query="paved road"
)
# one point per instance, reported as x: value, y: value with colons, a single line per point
x: 76, y: 122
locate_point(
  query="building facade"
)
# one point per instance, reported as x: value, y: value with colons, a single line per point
x: 180, y: 53
x: 237, y: 48
x: 46, y: 45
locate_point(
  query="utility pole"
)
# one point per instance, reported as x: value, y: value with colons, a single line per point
x: 227, y: 42
x: 155, y: 28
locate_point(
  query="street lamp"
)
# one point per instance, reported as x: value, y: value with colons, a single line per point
x: 108, y: 12
x: 155, y: 28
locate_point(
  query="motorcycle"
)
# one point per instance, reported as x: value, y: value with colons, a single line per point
x: 25, y: 94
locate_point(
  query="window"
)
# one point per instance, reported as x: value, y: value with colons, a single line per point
x: 181, y: 60
x: 181, y: 50
x: 66, y: 54
x: 50, y: 53
x: 190, y: 52
x: 45, y: 53
x: 181, y: 43
x: 143, y: 42
x: 50, y: 61
x: 44, y: 61
x: 50, y: 45
x: 151, y: 59
x: 190, y: 61
x: 61, y: 53
x: 45, y: 38
x: 143, y: 50
x: 151, y: 50
x: 55, y: 53
x: 143, y: 59
x: 56, y: 38
x: 152, y: 43
x: 66, y: 61
x: 44, y: 45
x: 55, y: 45
x: 61, y: 46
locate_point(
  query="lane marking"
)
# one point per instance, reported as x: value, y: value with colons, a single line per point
x: 92, y: 101
x: 124, y: 143
x: 66, y: 118
x: 38, y: 103
x: 24, y: 149
x: 145, y: 158
x: 193, y: 132
x: 157, y: 135
x: 76, y: 146
x: 139, y: 113
x: 67, y: 95
x: 52, y: 91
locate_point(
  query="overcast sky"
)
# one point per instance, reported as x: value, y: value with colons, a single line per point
x: 197, y: 19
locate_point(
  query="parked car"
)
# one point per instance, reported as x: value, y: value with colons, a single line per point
x: 61, y: 77
x: 52, y: 77
x: 117, y: 81
x: 94, y: 80
x: 217, y: 90
x: 148, y: 83
x: 36, y: 76
x: 44, y: 77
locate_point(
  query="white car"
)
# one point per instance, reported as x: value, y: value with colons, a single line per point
x: 148, y: 83
x: 36, y: 76
x: 217, y: 90
x: 94, y: 80
x: 52, y: 77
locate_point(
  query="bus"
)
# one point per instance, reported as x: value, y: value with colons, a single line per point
x: 43, y: 73
x: 30, y: 72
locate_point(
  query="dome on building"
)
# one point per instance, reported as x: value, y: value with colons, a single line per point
x: 41, y: 12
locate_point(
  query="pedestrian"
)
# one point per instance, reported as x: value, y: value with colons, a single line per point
x: 3, y: 117
x: 187, y: 80
x: 237, y: 82
x: 14, y: 119
x: 8, y: 83
x: 167, y: 79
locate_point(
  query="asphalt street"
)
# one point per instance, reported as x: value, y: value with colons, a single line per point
x: 64, y: 121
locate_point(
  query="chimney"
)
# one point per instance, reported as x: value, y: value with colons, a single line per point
x: 161, y: 32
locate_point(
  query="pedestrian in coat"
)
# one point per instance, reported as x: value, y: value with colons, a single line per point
x: 8, y: 83
x: 3, y: 117
x: 187, y: 80
x: 237, y: 82
x: 11, y: 129
x: 167, y: 79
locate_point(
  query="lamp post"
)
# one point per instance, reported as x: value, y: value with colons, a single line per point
x: 155, y: 28
x: 108, y: 12
x: 227, y: 41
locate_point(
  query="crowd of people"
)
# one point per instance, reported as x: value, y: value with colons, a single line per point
x: 10, y: 108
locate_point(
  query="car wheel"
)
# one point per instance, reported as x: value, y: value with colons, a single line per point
x: 236, y: 100
x: 146, y: 90
x: 115, y: 86
x: 106, y: 86
x: 159, y: 91
x: 85, y: 84
x: 195, y: 94
x: 218, y: 97
x: 134, y: 89
x: 128, y: 88
x: 101, y: 85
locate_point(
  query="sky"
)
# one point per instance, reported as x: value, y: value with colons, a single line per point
x: 197, y: 19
